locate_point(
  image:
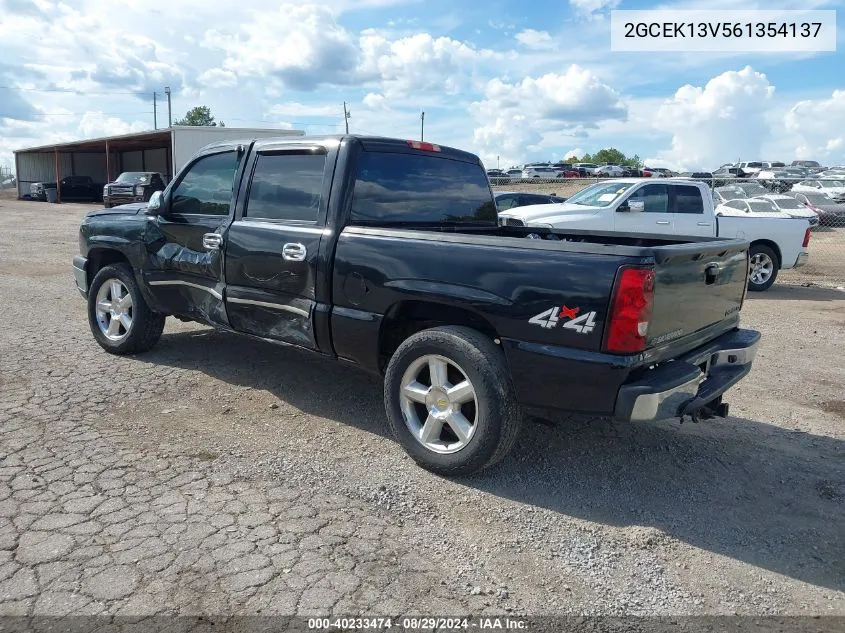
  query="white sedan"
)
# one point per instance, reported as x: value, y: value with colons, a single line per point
x: 832, y: 188
x: 792, y: 207
x: 614, y: 171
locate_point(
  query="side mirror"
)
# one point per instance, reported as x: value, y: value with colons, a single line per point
x: 155, y: 204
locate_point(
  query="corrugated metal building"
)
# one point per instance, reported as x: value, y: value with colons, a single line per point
x: 103, y: 159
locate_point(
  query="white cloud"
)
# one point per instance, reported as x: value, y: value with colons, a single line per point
x: 95, y: 124
x: 574, y: 153
x: 521, y: 118
x: 300, y: 44
x: 217, y: 78
x: 420, y: 63
x: 722, y: 119
x: 535, y: 40
x: 819, y: 126
x: 588, y: 8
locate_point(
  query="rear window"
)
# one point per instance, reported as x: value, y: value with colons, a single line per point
x: 688, y: 200
x: 420, y: 189
x: 762, y: 205
x: 754, y: 164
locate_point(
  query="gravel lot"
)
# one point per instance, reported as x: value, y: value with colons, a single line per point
x: 220, y: 475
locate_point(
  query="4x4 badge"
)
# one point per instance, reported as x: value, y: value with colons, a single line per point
x: 548, y: 319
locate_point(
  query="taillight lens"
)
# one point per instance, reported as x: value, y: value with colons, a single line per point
x: 631, y: 310
x: 421, y: 145
x: 806, y: 238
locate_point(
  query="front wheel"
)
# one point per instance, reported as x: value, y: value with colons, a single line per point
x: 763, y: 269
x: 450, y: 402
x: 120, y: 319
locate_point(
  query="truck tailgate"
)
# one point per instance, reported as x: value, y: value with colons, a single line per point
x: 696, y: 286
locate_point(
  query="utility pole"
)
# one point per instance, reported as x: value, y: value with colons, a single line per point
x: 422, y: 126
x: 155, y: 113
x: 169, y: 120
x: 497, y: 162
x: 346, y: 115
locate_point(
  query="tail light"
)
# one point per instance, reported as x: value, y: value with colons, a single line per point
x: 421, y: 145
x: 806, y: 238
x: 631, y: 310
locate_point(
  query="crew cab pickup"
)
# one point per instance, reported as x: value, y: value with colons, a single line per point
x: 675, y: 207
x: 387, y: 254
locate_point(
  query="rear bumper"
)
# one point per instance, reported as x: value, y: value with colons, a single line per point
x: 691, y: 382
x: 80, y: 273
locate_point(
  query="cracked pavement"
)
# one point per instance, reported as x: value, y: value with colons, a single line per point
x: 218, y: 475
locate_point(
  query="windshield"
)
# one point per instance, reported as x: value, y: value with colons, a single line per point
x: 817, y: 198
x: 827, y: 184
x: 600, y: 194
x: 133, y: 177
x: 731, y: 193
x: 789, y: 203
x: 753, y: 189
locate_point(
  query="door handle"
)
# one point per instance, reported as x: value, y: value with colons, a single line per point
x: 212, y: 241
x: 663, y: 221
x: 294, y: 252
x: 703, y: 224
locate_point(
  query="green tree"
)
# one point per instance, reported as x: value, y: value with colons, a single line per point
x: 199, y: 116
x: 609, y: 155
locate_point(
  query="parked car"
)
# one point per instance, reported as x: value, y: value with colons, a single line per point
x: 705, y: 176
x: 497, y: 177
x: 676, y: 207
x: 587, y: 168
x: 725, y: 175
x: 612, y: 171
x: 830, y: 174
x: 792, y: 208
x: 132, y: 186
x: 773, y: 165
x: 80, y: 188
x: 536, y: 171
x: 514, y: 174
x: 664, y: 172
x: 750, y: 167
x: 776, y: 181
x: 809, y: 164
x: 727, y: 192
x: 388, y: 254
x: 832, y: 188
x: 751, y: 189
x: 510, y: 199
x: 565, y: 170
x: 830, y: 212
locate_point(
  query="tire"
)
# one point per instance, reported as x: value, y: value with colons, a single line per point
x: 762, y: 253
x: 141, y: 328
x: 492, y: 411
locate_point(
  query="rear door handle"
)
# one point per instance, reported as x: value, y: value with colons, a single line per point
x: 212, y: 241
x: 703, y: 224
x: 294, y: 252
x: 663, y: 222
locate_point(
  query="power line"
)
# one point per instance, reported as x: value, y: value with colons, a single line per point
x: 77, y: 91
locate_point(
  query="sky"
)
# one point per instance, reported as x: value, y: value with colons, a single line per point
x: 511, y: 81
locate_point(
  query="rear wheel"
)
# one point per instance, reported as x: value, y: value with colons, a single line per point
x: 763, y: 269
x: 449, y: 400
x: 120, y: 319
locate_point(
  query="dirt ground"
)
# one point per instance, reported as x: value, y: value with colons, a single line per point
x: 216, y: 474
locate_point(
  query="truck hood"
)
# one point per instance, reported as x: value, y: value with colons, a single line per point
x: 548, y: 213
x: 133, y: 208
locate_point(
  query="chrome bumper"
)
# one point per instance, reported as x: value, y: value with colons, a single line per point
x: 689, y: 383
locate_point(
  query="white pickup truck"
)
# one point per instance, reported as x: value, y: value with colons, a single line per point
x: 675, y: 207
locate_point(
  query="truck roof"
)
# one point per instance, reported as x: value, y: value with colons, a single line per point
x: 369, y: 143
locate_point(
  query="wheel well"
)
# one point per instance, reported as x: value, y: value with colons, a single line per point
x: 406, y: 318
x: 772, y: 246
x: 100, y: 257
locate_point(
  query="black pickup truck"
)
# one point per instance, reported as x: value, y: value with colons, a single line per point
x: 388, y: 254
